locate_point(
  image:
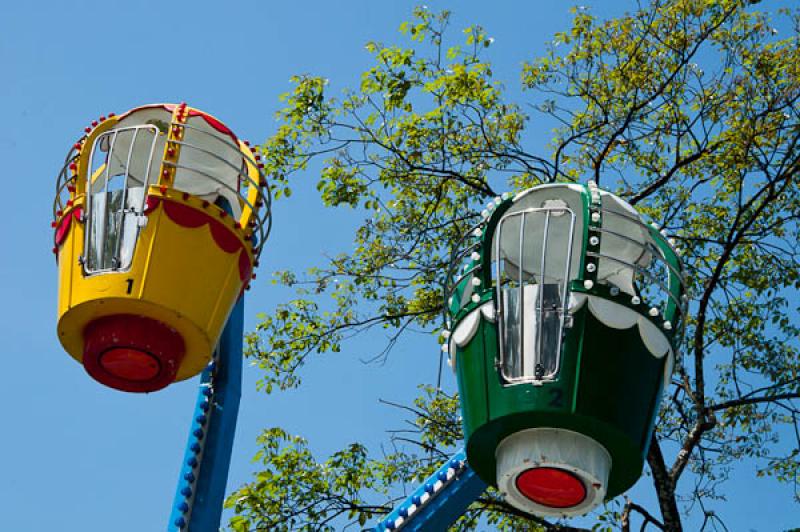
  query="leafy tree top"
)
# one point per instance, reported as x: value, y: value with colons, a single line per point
x: 688, y: 109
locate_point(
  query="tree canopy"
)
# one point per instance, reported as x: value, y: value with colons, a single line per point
x: 688, y: 109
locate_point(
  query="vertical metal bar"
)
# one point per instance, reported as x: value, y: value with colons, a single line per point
x: 108, y: 159
x: 146, y: 180
x: 123, y: 200
x: 88, y: 214
x: 521, y: 306
x: 104, y: 225
x: 91, y: 220
x: 204, y: 473
x: 565, y: 287
x: 537, y: 356
x: 498, y: 290
x: 567, y: 266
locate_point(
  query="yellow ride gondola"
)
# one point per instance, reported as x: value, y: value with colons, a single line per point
x: 160, y: 216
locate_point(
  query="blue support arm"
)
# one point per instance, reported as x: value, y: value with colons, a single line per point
x: 204, y: 472
x: 439, y: 501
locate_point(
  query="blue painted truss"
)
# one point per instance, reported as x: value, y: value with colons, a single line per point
x: 204, y: 472
x: 439, y: 501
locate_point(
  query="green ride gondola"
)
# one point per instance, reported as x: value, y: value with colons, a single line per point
x: 562, y: 327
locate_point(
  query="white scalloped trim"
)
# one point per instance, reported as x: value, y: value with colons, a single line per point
x: 487, y: 309
x: 576, y: 301
x: 466, y: 328
x: 653, y: 338
x: 607, y: 312
x: 612, y: 314
x: 668, y: 367
x: 619, y: 316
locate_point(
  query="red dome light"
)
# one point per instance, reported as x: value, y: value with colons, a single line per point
x: 552, y: 487
x: 130, y: 364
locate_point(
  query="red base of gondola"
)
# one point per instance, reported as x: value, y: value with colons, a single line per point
x: 132, y: 353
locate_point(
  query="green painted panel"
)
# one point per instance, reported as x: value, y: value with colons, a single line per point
x: 471, y: 375
x: 621, y: 380
x: 608, y: 388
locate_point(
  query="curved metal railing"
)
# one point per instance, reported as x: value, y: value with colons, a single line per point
x: 261, y: 218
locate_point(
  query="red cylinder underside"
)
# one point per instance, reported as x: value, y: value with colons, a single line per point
x: 552, y: 487
x: 132, y: 353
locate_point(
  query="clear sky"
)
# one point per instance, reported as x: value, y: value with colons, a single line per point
x: 75, y: 456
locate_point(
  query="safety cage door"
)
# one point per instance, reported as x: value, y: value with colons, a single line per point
x: 121, y: 165
x: 532, y: 257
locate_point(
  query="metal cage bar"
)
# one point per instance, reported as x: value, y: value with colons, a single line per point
x: 264, y: 221
x: 678, y: 304
x: 450, y: 287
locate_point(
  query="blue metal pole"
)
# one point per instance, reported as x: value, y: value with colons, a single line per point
x: 204, y: 473
x: 439, y: 501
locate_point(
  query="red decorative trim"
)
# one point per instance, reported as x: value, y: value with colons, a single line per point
x: 224, y: 237
x: 188, y: 216
x: 244, y: 265
x: 151, y: 203
x: 184, y: 215
x: 64, y: 224
x: 213, y: 122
